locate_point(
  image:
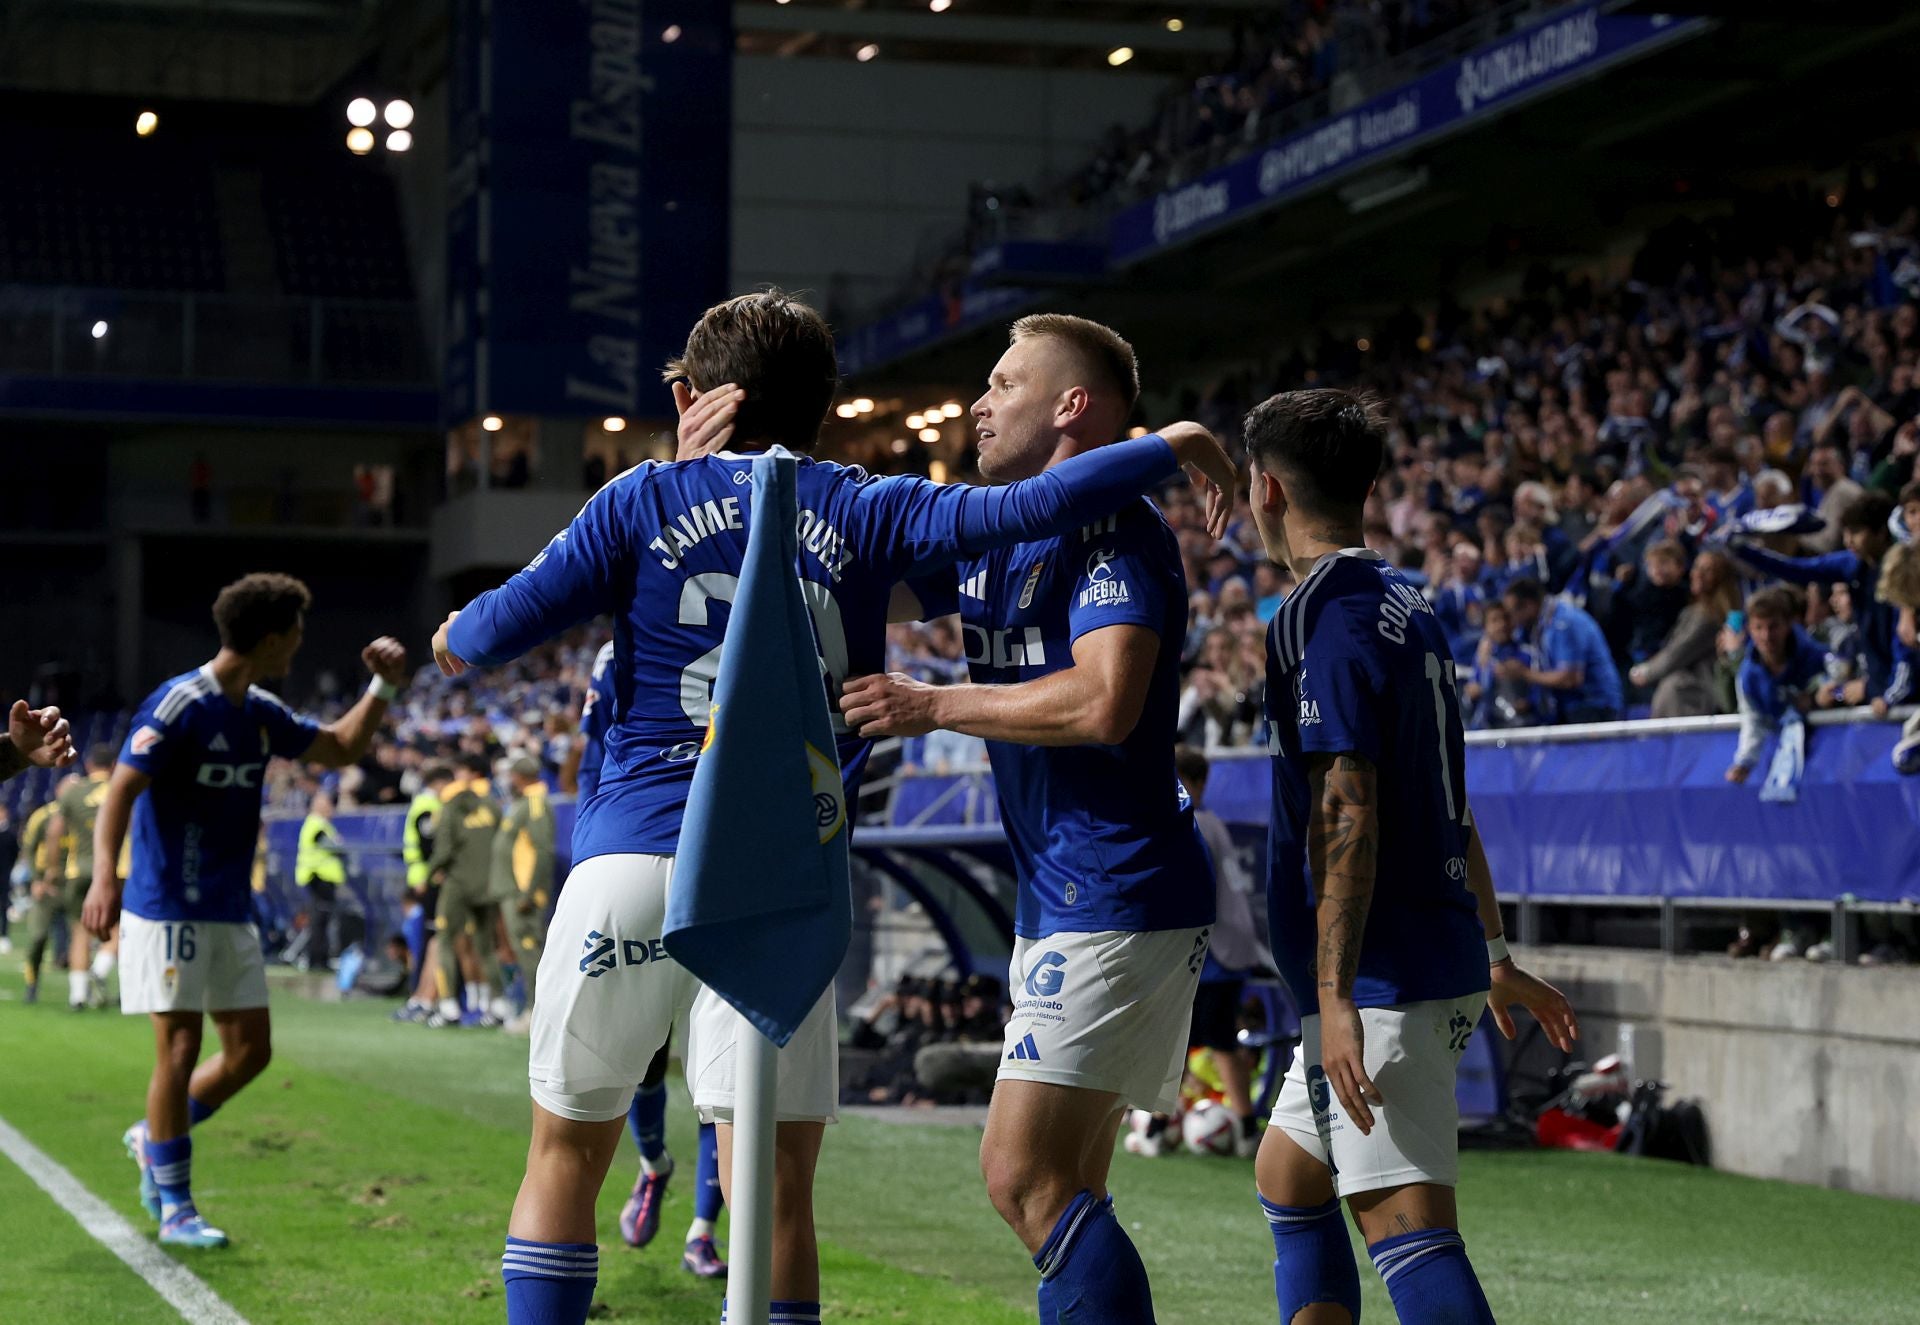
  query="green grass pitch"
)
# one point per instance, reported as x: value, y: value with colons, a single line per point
x: 367, y: 1177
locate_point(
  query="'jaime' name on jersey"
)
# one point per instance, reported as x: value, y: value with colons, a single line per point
x: 693, y: 527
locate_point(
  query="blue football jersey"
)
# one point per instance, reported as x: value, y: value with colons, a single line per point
x: 1358, y: 663
x: 197, y: 824
x: 660, y: 548
x: 1103, y: 836
x: 595, y: 715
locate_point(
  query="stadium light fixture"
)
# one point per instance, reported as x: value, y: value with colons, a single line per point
x: 951, y: 410
x: 399, y: 140
x: 863, y: 405
x: 1176, y: 25
x: 937, y: 471
x: 613, y: 423
x: 1119, y: 55
x: 900, y: 445
x: 867, y: 52
x: 493, y: 423
x: 916, y: 421
x: 671, y: 34
x: 939, y: 7
x: 846, y: 411
x: 359, y: 141
x: 929, y: 434
x: 1136, y: 431
x: 361, y: 112
x: 145, y: 123
x: 399, y: 113
x: 1363, y: 345
x: 100, y: 330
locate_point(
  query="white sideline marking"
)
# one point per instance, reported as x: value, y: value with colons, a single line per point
x: 184, y: 1291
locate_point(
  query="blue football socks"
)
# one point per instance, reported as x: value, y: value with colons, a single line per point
x: 784, y: 1313
x: 647, y: 1120
x: 198, y: 1113
x: 1430, y: 1279
x: 172, y: 1165
x: 549, y: 1283
x: 706, y: 1194
x: 1090, y: 1271
x: 1312, y: 1258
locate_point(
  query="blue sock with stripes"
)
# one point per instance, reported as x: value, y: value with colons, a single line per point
x: 647, y: 1120
x: 172, y: 1165
x: 549, y: 1283
x: 1430, y: 1279
x: 1312, y: 1258
x: 1091, y: 1270
x: 198, y: 1113
x: 706, y: 1193
x: 784, y: 1313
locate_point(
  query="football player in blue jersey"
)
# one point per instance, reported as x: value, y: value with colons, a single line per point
x: 188, y: 780
x: 1380, y: 903
x: 660, y: 549
x: 1074, y: 644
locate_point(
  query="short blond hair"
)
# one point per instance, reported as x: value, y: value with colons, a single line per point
x: 1100, y: 349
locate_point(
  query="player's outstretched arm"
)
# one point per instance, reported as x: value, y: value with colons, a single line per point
x: 1343, y: 844
x: 36, y: 738
x: 347, y: 738
x: 1097, y: 701
x: 1511, y: 985
x: 101, y: 910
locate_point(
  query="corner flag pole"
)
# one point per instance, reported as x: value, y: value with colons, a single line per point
x: 761, y: 908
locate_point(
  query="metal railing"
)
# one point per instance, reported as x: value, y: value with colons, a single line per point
x: 69, y: 332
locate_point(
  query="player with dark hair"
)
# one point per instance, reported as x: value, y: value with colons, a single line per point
x: 76, y: 806
x: 188, y: 780
x: 660, y: 549
x: 1074, y: 647
x: 1380, y: 902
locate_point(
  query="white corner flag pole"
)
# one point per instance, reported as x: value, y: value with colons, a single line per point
x: 750, y: 1257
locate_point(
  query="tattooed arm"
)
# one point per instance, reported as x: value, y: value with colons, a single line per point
x: 1343, y: 838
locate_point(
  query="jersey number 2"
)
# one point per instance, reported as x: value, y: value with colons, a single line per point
x: 696, y: 680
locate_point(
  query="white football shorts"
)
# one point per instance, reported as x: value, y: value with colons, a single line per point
x: 189, y: 966
x: 610, y: 995
x: 1106, y: 1011
x: 1412, y: 1052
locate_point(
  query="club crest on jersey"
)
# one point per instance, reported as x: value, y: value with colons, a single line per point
x: 1104, y: 588
x: 1033, y: 582
x: 1309, y: 708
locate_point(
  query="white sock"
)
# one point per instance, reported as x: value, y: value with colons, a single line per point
x: 655, y: 1167
x: 699, y: 1228
x: 76, y: 986
x: 450, y: 1009
x: 476, y: 996
x: 103, y: 964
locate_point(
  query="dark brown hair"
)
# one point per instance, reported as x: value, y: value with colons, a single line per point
x: 1100, y: 349
x: 776, y: 349
x: 1868, y: 512
x: 1777, y: 602
x: 256, y: 606
x: 1328, y: 442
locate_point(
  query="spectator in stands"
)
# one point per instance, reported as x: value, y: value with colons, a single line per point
x: 1899, y: 588
x: 1497, y: 696
x: 1863, y: 530
x: 1221, y: 700
x: 1647, y: 605
x: 1461, y: 599
x: 1575, y: 666
x: 959, y: 1067
x: 1680, y: 676
x: 1826, y: 490
x: 1533, y: 504
x: 1779, y: 674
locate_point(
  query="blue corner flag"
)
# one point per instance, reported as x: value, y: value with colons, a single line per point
x: 761, y: 909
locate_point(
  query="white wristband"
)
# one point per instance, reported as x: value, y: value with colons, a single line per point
x: 1497, y: 950
x: 381, y: 688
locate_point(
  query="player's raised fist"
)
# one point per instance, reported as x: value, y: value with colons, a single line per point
x: 386, y: 658
x: 449, y: 662
x: 40, y: 736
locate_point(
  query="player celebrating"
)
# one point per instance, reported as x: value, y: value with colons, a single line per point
x: 1381, y: 906
x: 1075, y: 648
x: 189, y: 780
x: 660, y: 548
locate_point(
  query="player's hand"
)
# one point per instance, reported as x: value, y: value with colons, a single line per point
x: 1854, y: 693
x: 1343, y: 1058
x: 888, y: 704
x: 386, y: 658
x: 450, y: 663
x: 1738, y: 773
x: 706, y: 420
x: 101, y: 911
x: 40, y: 735
x: 1880, y: 708
x: 1211, y: 468
x: 1514, y: 987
